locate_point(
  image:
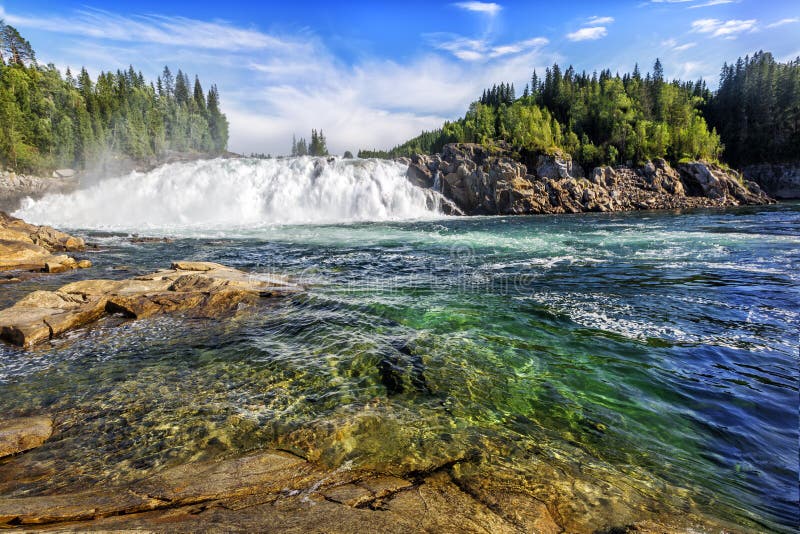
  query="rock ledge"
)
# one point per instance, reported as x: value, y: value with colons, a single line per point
x: 208, y: 289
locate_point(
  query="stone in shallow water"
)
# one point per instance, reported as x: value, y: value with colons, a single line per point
x: 24, y: 433
x: 27, y: 247
x: 208, y: 289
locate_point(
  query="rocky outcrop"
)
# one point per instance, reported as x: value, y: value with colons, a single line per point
x: 482, y: 181
x: 24, y: 433
x: 27, y: 247
x: 208, y: 289
x: 15, y: 187
x: 779, y: 180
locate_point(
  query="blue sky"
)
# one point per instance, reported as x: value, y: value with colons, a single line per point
x: 373, y: 74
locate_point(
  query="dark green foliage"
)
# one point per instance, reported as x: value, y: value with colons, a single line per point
x: 757, y: 110
x: 14, y: 49
x: 605, y: 119
x: 317, y: 147
x: 47, y: 121
x: 425, y: 143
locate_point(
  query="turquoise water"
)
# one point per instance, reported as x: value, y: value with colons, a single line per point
x: 659, y: 348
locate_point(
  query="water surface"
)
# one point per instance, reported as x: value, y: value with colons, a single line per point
x: 659, y: 348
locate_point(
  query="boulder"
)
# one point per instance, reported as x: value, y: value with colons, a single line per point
x: 24, y: 433
x: 208, y: 289
x: 779, y: 180
x: 726, y: 186
x: 63, y: 173
x: 27, y: 247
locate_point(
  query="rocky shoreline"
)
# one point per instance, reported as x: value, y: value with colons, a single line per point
x: 479, y: 181
x: 29, y: 248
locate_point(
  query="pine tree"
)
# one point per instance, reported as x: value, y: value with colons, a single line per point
x: 169, y: 82
x: 199, y: 97
x: 181, y: 89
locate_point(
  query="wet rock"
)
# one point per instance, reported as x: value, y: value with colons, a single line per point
x: 24, y: 433
x: 208, y: 289
x: 27, y: 247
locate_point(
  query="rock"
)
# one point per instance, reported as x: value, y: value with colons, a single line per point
x: 714, y: 182
x: 63, y: 173
x: 24, y: 433
x: 27, y: 247
x: 556, y: 166
x: 15, y: 187
x: 84, y: 264
x: 208, y: 289
x: 478, y: 180
x: 779, y: 180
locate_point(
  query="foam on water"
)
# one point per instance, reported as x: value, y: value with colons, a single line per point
x: 239, y: 193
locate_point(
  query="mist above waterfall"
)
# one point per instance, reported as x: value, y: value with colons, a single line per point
x: 224, y: 194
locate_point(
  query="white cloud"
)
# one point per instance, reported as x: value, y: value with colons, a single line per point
x: 590, y: 33
x: 598, y: 21
x: 489, y: 8
x: 783, y: 22
x: 720, y: 28
x: 712, y: 3
x: 467, y: 49
x: 173, y: 31
x: 672, y: 44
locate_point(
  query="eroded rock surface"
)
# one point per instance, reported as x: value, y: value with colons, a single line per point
x: 480, y: 181
x: 280, y: 492
x: 208, y: 289
x: 23, y: 433
x: 27, y: 247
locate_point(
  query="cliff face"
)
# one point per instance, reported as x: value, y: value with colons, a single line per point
x: 780, y: 180
x: 480, y: 182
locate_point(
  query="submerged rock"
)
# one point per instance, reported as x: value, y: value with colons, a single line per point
x: 494, y: 181
x: 291, y: 494
x: 24, y: 433
x: 208, y: 289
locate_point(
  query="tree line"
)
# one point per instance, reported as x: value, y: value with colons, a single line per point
x: 49, y: 121
x: 317, y: 147
x: 606, y: 118
x: 757, y: 110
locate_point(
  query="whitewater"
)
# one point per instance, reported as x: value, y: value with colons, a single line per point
x: 242, y: 193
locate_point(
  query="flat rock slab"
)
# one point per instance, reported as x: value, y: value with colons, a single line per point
x: 207, y: 289
x: 24, y: 433
x: 275, y: 491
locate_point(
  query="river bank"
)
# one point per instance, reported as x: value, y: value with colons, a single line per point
x: 498, y: 181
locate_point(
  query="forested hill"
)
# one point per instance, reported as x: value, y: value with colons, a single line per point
x: 753, y: 117
x: 49, y: 121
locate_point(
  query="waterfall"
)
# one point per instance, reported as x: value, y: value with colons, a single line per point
x: 237, y: 193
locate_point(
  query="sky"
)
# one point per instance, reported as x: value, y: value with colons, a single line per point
x: 374, y: 74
